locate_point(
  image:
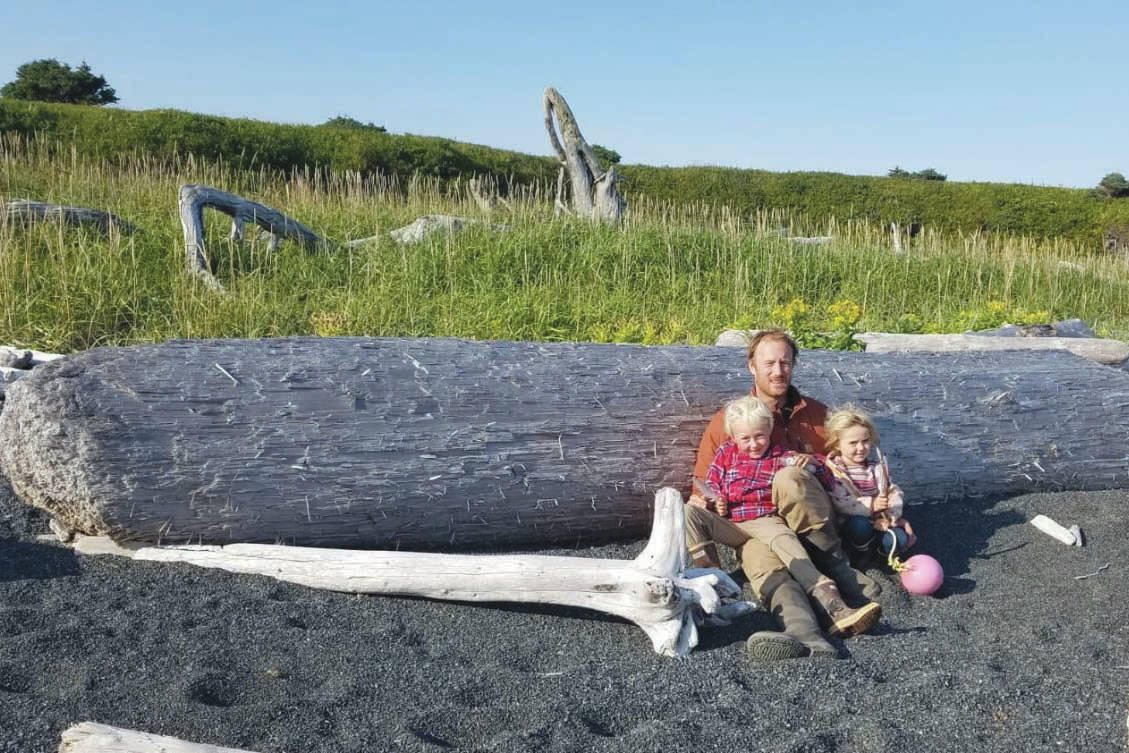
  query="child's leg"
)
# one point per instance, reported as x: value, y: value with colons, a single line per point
x: 772, y: 531
x: 704, y: 531
x: 857, y: 532
x: 895, y: 537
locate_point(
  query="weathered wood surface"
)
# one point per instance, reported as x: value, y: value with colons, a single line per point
x: 38, y: 211
x: 655, y: 590
x: 593, y: 191
x: 91, y: 737
x: 416, y: 444
x: 1096, y: 349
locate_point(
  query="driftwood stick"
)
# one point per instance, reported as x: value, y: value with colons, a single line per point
x: 655, y: 591
x: 194, y: 198
x: 1110, y: 352
x: 594, y: 191
x: 38, y: 211
x: 91, y: 737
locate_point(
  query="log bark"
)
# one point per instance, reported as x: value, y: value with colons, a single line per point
x: 193, y: 200
x: 655, y: 590
x: 1111, y: 352
x: 38, y: 211
x: 449, y: 444
x: 594, y: 192
x: 91, y: 737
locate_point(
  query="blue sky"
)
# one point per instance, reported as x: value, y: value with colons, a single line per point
x: 1034, y: 92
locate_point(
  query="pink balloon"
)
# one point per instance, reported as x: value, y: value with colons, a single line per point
x: 923, y: 576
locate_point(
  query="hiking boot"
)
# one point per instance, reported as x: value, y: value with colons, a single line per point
x: 837, y: 617
x: 828, y: 555
x: 705, y: 557
x: 767, y: 645
x: 791, y: 607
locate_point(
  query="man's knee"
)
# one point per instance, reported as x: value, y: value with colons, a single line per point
x: 768, y: 585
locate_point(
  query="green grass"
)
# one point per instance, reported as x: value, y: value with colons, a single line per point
x: 672, y: 274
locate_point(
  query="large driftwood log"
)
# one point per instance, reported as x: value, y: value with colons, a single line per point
x: 655, y: 590
x: 91, y: 737
x: 38, y: 211
x: 388, y: 443
x: 1096, y: 349
x: 594, y: 192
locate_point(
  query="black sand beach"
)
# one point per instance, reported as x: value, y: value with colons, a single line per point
x: 1014, y: 654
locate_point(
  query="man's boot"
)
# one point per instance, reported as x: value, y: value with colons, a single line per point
x: 827, y: 553
x: 790, y: 605
x: 839, y: 618
x: 768, y: 645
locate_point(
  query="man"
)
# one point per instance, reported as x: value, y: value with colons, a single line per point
x: 799, y: 499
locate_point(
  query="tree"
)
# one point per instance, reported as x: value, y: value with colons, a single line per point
x: 898, y: 172
x: 926, y: 174
x: 1114, y: 186
x: 344, y: 121
x: 607, y: 156
x: 48, y: 80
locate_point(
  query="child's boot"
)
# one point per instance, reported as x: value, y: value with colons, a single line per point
x: 827, y: 552
x: 840, y: 619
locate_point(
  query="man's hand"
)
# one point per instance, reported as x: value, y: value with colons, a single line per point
x: 802, y: 460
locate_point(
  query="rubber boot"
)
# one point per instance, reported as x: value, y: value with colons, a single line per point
x: 790, y: 605
x: 840, y: 619
x: 704, y: 556
x: 767, y: 645
x: 827, y: 553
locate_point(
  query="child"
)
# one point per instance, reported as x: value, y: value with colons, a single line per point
x: 864, y: 499
x: 740, y: 489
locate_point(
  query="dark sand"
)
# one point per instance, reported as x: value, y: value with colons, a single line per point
x: 1014, y: 654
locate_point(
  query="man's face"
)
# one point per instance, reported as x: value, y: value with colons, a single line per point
x: 771, y: 366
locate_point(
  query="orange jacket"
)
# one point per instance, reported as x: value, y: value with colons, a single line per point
x: 803, y: 432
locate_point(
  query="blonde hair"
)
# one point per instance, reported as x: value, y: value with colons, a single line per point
x: 748, y: 409
x: 843, y: 418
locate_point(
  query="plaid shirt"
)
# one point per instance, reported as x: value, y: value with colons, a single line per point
x: 745, y: 482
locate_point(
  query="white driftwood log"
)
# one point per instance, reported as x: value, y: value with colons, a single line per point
x: 424, y: 226
x: 37, y: 211
x: 594, y: 192
x: 16, y: 363
x: 655, y: 590
x: 1110, y: 352
x: 194, y: 198
x: 91, y: 737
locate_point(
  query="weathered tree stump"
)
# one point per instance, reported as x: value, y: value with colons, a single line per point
x: 593, y: 191
x: 449, y: 444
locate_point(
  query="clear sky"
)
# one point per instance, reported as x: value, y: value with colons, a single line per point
x: 1029, y: 92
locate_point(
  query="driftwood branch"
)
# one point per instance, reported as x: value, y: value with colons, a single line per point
x: 38, y: 211
x: 594, y: 191
x: 484, y: 192
x: 655, y: 590
x: 195, y: 198
x: 1111, y: 352
x: 91, y: 737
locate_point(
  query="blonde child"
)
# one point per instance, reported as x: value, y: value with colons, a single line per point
x: 739, y: 489
x: 868, y: 505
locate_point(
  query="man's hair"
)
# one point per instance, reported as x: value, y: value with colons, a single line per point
x: 771, y: 334
x: 843, y: 418
x: 748, y: 409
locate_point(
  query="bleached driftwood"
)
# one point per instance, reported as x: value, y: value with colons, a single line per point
x: 594, y: 192
x: 655, y: 590
x: 91, y: 737
x: 484, y: 192
x: 816, y: 240
x: 16, y: 363
x: 37, y: 211
x: 1110, y: 352
x: 193, y: 200
x: 424, y: 226
x: 896, y: 237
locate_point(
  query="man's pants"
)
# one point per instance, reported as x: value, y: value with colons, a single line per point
x: 768, y: 544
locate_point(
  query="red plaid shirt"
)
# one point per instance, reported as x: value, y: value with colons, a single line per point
x: 745, y: 482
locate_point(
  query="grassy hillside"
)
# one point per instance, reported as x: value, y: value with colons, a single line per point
x: 116, y: 134
x: 674, y: 273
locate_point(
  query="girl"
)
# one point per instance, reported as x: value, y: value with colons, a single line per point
x: 868, y: 505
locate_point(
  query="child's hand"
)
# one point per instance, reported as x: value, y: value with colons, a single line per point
x: 697, y: 500
x: 880, y: 504
x: 722, y: 507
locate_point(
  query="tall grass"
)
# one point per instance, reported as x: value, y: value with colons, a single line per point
x: 672, y: 273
